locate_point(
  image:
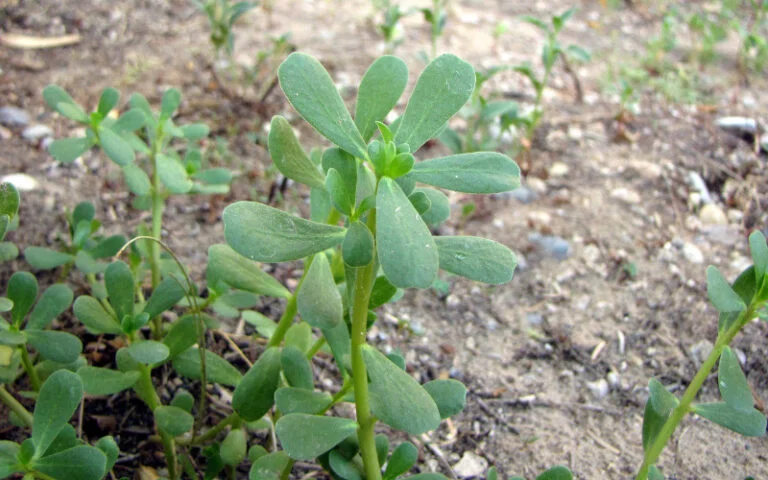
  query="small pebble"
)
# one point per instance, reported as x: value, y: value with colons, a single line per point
x: 737, y: 125
x: 523, y: 195
x: 22, y: 182
x: 692, y: 253
x: 537, y: 185
x: 33, y: 133
x: 701, y: 350
x: 711, y: 214
x: 598, y: 388
x: 471, y: 465
x: 626, y: 195
x: 556, y: 247
x: 559, y: 169
x: 13, y: 117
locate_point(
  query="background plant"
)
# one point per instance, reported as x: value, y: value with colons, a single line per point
x: 437, y: 18
x: 9, y: 210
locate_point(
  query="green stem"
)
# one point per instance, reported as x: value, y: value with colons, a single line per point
x: 158, y: 203
x: 30, y: 369
x: 365, y: 434
x: 15, y: 406
x: 42, y: 476
x: 153, y: 401
x: 339, y: 395
x: 316, y: 347
x: 653, y: 453
x: 290, y: 311
x: 213, y: 432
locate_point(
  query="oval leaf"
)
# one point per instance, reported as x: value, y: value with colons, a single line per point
x: 148, y: 352
x: 255, y: 393
x: 60, y: 347
x: 119, y: 282
x: 441, y: 90
x: 217, y: 369
x: 42, y: 258
x: 313, y: 94
x: 58, y: 398
x: 266, y: 234
x: 53, y: 302
x: 733, y: 383
x: 290, y: 159
x: 136, y: 179
x: 165, y: 296
x: 380, y: 89
x: 318, y: 300
x: 750, y: 423
x: 105, y: 381
x: 95, y: 318
x: 299, y: 400
x: 117, y: 149
x: 108, y: 100
x: 721, y: 294
x: 174, y: 421
x: 406, y: 249
x: 173, y: 174
x: 476, y: 258
x: 439, y: 206
x: 449, y: 395
x: 305, y: 437
x: 269, y: 467
x: 478, y: 172
x: 357, y: 248
x: 22, y: 291
x: 225, y: 264
x: 68, y: 150
x: 396, y: 398
x: 296, y: 368
x: 81, y: 463
x: 403, y: 458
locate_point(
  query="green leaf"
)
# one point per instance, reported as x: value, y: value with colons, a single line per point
x: 403, y: 459
x: 130, y: 121
x: 105, y: 381
x: 427, y: 476
x: 173, y: 174
x: 305, y: 437
x: 170, y: 102
x: 9, y: 337
x: 478, y: 172
x: 476, y: 258
x: 234, y: 446
x: 52, y: 303
x: 255, y: 393
x: 8, y: 251
x: 578, y: 53
x: 5, y: 304
x: 732, y: 382
x: 174, y: 421
x: 449, y: 395
x: 59, y: 100
x: 217, y: 369
x: 300, y: 400
x: 58, y: 398
x: 195, y: 131
x: 214, y: 176
x: 441, y: 90
x: 95, y: 318
x: 9, y: 200
x: 8, y: 454
x: 290, y: 159
x: 406, y: 249
x: 657, y: 410
x: 300, y: 336
x: 182, y: 335
x: 339, y: 340
x: 267, y: 234
x: 654, y: 473
x: 108, y: 247
x: 357, y: 248
x: 120, y: 283
x: 85, y: 262
x: 269, y: 467
x: 42, y: 258
x: 68, y: 150
x: 343, y: 467
x: 439, y: 206
x: 313, y: 94
x: 60, y: 347
x: 380, y: 89
x: 342, y: 197
x: 78, y: 463
x: 22, y: 291
x: 109, y: 448
x: 148, y: 352
x: 396, y: 398
x: 556, y: 473
x: 420, y: 202
x: 721, y: 294
x: 108, y: 100
x: 382, y: 292
x: 66, y: 439
x: 750, y: 423
x: 136, y: 179
x: 116, y: 148
x: 318, y: 300
x: 228, y: 266
x: 759, y: 251
x: 165, y: 296
x: 264, y: 326
x: 296, y: 368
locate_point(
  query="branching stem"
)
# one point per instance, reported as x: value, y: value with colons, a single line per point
x: 15, y: 406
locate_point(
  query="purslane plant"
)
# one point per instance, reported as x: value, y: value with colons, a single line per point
x: 9, y: 218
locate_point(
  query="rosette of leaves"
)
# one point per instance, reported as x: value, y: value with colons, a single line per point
x: 9, y: 219
x: 368, y: 236
x: 26, y: 327
x: 85, y: 247
x: 54, y: 450
x: 738, y: 304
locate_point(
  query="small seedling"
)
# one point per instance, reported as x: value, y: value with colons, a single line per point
x: 222, y: 15
x: 436, y: 17
x: 9, y: 219
x: 390, y: 27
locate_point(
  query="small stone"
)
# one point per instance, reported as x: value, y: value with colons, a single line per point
x: 647, y: 170
x: 523, y: 195
x: 556, y: 247
x: 711, y: 214
x: 740, y: 263
x: 540, y: 218
x: 728, y: 235
x: 33, y: 133
x: 575, y: 133
x: 699, y: 186
x: 22, y: 182
x: 558, y: 169
x: 537, y: 185
x: 735, y: 216
x: 625, y: 195
x: 591, y: 254
x: 692, y: 253
x: 13, y: 117
x: 737, y: 125
x: 5, y: 134
x: 598, y: 388
x: 534, y: 319
x: 471, y: 465
x: 613, y: 379
x: 701, y: 350
x: 452, y: 301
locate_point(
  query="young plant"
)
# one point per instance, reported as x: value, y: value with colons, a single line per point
x: 222, y: 15
x: 390, y: 26
x: 738, y: 304
x: 53, y: 451
x: 367, y: 238
x: 84, y: 249
x: 9, y: 219
x: 436, y: 18
x: 150, y: 134
x: 551, y: 52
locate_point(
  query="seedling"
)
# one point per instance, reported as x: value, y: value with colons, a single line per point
x: 222, y: 15
x: 9, y: 219
x: 737, y: 304
x: 84, y: 249
x: 436, y: 18
x: 390, y: 27
x: 53, y: 451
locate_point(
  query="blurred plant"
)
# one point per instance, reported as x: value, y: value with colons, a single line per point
x: 222, y: 15
x: 436, y: 18
x: 9, y: 219
x: 390, y: 26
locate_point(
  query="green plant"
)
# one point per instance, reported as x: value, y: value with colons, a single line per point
x: 390, y: 26
x: 53, y: 451
x: 84, y: 249
x: 737, y: 305
x: 9, y: 219
x: 222, y: 15
x: 436, y: 18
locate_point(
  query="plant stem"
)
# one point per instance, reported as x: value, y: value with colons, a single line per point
x: 366, y: 421
x: 290, y: 311
x: 674, y: 419
x: 34, y: 378
x: 316, y: 347
x: 15, y: 406
x: 153, y: 401
x: 213, y: 432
